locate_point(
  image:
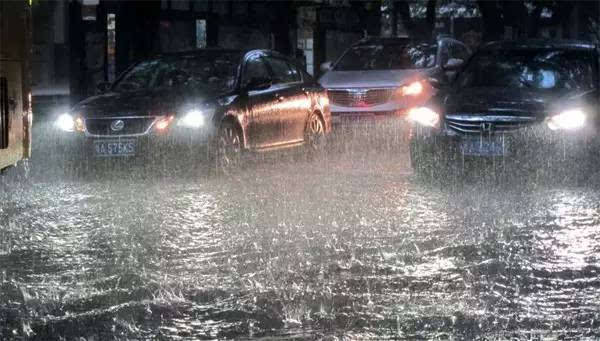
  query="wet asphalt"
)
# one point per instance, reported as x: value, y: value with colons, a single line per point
x: 350, y: 245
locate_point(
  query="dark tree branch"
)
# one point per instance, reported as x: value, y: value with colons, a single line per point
x: 515, y: 15
x: 401, y: 8
x: 534, y: 20
x: 492, y: 20
x: 430, y: 17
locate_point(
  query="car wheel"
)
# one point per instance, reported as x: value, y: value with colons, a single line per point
x: 228, y: 149
x: 315, y: 134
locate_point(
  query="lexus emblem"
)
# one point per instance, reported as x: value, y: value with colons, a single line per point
x: 486, y: 126
x: 117, y: 125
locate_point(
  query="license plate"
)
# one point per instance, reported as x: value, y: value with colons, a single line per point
x: 484, y: 147
x: 114, y: 148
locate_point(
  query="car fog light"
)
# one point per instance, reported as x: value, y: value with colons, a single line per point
x: 568, y: 119
x: 192, y: 119
x: 65, y: 122
x: 424, y: 116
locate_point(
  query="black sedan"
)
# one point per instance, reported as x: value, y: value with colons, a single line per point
x: 532, y: 102
x: 229, y: 101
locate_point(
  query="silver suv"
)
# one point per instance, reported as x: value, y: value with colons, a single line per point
x: 379, y: 77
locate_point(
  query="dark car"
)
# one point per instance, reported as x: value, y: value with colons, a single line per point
x: 229, y: 101
x: 526, y: 101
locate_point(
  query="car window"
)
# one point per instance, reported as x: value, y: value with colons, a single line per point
x: 255, y: 68
x: 283, y: 72
x: 388, y: 57
x: 138, y: 78
x: 210, y: 72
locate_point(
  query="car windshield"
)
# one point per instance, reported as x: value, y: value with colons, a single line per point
x: 388, y: 57
x: 214, y: 72
x: 537, y: 69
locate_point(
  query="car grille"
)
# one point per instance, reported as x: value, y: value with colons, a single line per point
x: 359, y: 97
x: 363, y: 113
x: 131, y: 126
x: 469, y: 124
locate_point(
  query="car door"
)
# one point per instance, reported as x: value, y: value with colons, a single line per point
x: 293, y: 104
x: 263, y: 122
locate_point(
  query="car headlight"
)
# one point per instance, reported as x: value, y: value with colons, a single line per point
x: 424, y: 116
x: 67, y: 122
x: 412, y: 89
x: 193, y: 119
x: 568, y: 119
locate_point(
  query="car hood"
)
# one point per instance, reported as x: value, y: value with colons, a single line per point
x: 501, y: 101
x: 369, y: 79
x: 142, y: 103
x: 588, y: 100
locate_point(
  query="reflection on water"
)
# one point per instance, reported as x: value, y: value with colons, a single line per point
x: 351, y: 247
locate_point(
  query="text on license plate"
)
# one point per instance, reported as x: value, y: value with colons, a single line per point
x: 114, y: 147
x: 484, y: 147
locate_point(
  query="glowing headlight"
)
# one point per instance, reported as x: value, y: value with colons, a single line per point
x: 192, y: 119
x: 412, y: 89
x: 65, y: 122
x: 424, y: 116
x: 568, y: 119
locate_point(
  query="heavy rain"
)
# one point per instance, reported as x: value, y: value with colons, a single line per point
x: 397, y: 224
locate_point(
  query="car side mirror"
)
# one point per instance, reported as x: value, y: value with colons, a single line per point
x: 453, y: 64
x: 103, y: 86
x: 436, y: 82
x: 326, y: 66
x: 259, y: 83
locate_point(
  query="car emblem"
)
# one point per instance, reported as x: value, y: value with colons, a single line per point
x: 359, y: 96
x: 486, y: 126
x: 117, y: 125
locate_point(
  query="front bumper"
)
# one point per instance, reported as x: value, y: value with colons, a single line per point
x: 153, y: 145
x: 530, y: 144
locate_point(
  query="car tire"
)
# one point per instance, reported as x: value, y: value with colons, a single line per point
x: 226, y: 156
x: 314, y: 135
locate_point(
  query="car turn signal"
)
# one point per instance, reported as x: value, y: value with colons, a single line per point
x: 163, y: 123
x: 79, y: 125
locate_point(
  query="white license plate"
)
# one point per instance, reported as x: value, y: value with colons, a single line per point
x: 484, y: 147
x: 114, y: 148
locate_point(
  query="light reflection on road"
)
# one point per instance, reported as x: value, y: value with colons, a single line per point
x: 352, y: 246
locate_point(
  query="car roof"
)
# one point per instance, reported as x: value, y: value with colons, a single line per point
x: 535, y: 44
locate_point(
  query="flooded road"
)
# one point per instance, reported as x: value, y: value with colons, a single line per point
x: 348, y: 247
